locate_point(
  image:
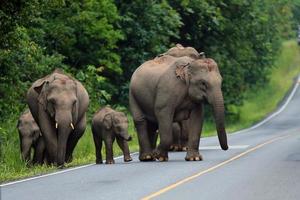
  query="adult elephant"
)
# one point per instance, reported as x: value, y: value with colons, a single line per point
x: 171, y: 89
x: 58, y: 104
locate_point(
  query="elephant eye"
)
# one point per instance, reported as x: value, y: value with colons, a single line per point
x: 203, y: 85
x: 52, y: 101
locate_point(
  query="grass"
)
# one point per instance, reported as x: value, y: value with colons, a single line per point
x: 257, y: 105
x: 262, y: 101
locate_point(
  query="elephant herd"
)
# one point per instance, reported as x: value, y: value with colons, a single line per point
x: 166, y: 98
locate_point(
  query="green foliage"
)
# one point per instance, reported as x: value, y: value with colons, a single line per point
x: 21, y: 64
x: 243, y: 36
x: 148, y: 27
x: 84, y: 32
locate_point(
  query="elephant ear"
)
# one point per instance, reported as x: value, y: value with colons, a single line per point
x: 181, y: 71
x: 107, y: 121
x: 40, y: 88
x: 75, y: 108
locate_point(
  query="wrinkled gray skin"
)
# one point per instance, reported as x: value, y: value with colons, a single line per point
x: 169, y: 89
x: 180, y: 51
x: 30, y: 138
x: 180, y: 132
x: 58, y: 104
x: 108, y: 125
x: 180, y: 136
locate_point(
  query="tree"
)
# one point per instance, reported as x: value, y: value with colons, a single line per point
x: 148, y: 27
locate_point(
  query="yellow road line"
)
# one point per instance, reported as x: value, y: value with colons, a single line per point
x: 170, y: 187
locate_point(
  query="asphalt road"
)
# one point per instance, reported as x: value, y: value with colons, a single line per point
x: 262, y: 163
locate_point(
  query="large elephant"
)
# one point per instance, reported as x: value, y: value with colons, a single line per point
x: 171, y: 89
x: 58, y: 104
x: 30, y: 138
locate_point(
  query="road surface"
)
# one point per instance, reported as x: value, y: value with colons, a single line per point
x: 262, y: 163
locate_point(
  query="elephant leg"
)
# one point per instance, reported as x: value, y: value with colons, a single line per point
x: 165, y: 120
x: 152, y: 133
x: 125, y: 149
x: 98, y: 145
x: 39, y: 151
x: 195, y: 127
x: 109, y: 140
x: 141, y: 127
x: 183, y: 134
x: 74, y: 137
x: 176, y: 131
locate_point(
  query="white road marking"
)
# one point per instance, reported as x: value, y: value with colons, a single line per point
x: 275, y: 113
x: 59, y: 172
x: 244, y: 130
x: 218, y: 147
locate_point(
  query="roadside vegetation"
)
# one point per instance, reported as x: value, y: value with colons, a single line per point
x: 258, y: 103
x: 101, y: 42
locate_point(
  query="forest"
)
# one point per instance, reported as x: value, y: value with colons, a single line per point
x: 101, y: 43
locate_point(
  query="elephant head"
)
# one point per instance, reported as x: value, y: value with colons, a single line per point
x: 118, y: 123
x: 58, y: 99
x: 29, y: 133
x: 204, y: 84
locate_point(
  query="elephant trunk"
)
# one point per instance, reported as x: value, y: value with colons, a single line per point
x: 219, y: 115
x: 25, y: 151
x: 64, y: 128
x: 125, y: 136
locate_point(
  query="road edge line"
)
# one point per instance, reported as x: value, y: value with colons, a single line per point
x: 296, y: 85
x: 58, y: 172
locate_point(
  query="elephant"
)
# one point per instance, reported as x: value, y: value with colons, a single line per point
x: 170, y: 89
x: 180, y: 136
x: 108, y: 125
x: 180, y: 51
x: 30, y: 138
x: 180, y: 128
x: 58, y: 104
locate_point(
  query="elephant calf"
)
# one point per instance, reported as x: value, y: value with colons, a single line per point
x: 180, y: 136
x: 30, y: 138
x: 108, y: 125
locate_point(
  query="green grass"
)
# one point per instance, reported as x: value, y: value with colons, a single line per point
x: 257, y: 105
x: 14, y: 168
x: 260, y: 102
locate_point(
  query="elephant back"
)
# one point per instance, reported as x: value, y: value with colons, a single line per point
x: 101, y: 113
x: 180, y: 51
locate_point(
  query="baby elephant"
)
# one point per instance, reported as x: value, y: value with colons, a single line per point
x: 108, y: 125
x: 30, y: 137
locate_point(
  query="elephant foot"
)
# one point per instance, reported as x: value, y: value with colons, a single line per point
x: 146, y: 157
x: 127, y: 158
x: 175, y: 147
x: 60, y: 166
x: 69, y: 159
x: 193, y: 156
x: 160, y: 155
x: 99, y: 162
x: 109, y: 162
x: 171, y: 148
